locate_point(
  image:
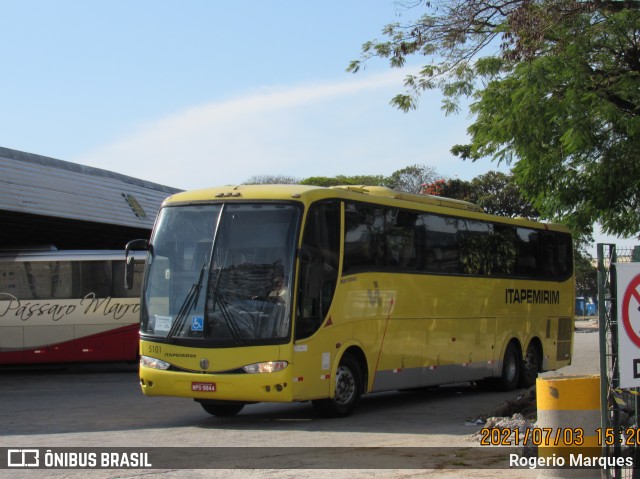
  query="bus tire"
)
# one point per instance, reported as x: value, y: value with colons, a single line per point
x: 508, y: 381
x: 349, y: 386
x: 530, y: 366
x: 222, y: 410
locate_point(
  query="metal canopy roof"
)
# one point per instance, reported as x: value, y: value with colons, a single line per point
x: 37, y: 185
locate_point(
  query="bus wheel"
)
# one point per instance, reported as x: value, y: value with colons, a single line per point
x: 510, y: 369
x: 530, y: 367
x: 348, y: 390
x: 222, y: 410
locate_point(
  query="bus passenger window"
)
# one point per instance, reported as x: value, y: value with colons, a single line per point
x: 29, y: 280
x: 476, y: 251
x: 318, y: 267
x: 504, y: 250
x: 558, y: 255
x: 529, y: 253
x: 564, y: 255
x: 359, y: 238
x: 400, y: 228
x: 440, y: 247
x: 94, y: 279
x: 487, y: 249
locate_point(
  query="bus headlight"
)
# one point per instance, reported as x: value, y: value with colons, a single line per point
x: 153, y: 363
x: 268, y: 367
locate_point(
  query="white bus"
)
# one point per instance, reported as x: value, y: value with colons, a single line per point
x: 68, y: 306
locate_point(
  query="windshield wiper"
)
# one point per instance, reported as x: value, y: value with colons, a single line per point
x: 232, y: 326
x: 230, y: 321
x: 189, y: 301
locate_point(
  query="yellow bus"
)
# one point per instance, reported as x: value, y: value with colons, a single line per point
x: 293, y: 293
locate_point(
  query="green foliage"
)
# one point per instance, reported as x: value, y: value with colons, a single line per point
x: 372, y: 180
x: 569, y: 127
x: 272, y: 180
x: 411, y: 179
x: 497, y: 193
x: 586, y: 275
x: 554, y: 85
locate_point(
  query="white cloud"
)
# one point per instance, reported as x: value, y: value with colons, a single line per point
x: 324, y: 129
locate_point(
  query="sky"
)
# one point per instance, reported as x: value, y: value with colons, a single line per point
x: 201, y: 93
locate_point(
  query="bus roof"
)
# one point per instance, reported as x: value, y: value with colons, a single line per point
x: 374, y: 194
x: 313, y: 192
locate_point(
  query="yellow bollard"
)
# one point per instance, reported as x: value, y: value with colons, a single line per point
x: 568, y: 417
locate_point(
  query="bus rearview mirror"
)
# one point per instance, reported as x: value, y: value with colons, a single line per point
x: 139, y: 244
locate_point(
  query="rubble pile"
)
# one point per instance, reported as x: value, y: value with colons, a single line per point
x: 518, y: 413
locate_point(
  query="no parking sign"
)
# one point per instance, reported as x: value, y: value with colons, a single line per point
x: 628, y: 279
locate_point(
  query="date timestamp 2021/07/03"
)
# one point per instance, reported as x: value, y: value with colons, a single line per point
x: 561, y: 436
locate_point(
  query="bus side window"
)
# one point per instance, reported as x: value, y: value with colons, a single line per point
x: 530, y: 251
x: 558, y: 253
x: 440, y: 244
x: 359, y: 244
x: 41, y: 280
x: 318, y: 267
x: 564, y: 250
x: 27, y: 280
x: 400, y: 230
x: 94, y: 278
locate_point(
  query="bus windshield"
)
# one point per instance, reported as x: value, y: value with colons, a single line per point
x: 221, y: 274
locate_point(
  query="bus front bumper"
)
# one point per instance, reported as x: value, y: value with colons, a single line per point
x: 261, y: 387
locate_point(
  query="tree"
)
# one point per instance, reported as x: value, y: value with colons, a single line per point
x: 411, y: 178
x: 272, y: 180
x: 371, y: 180
x: 586, y: 274
x: 496, y: 192
x: 554, y: 86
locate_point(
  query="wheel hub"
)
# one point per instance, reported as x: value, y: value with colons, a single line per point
x: 345, y: 385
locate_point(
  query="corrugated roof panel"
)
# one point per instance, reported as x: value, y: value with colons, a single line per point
x: 45, y: 186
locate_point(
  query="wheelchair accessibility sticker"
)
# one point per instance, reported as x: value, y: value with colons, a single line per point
x: 197, y: 323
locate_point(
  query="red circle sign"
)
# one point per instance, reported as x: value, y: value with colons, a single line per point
x: 631, y: 291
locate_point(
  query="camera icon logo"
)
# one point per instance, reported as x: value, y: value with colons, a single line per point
x: 23, y: 458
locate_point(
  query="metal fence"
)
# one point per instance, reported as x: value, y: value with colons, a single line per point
x: 619, y: 407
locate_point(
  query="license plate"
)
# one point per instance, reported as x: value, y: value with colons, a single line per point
x: 203, y: 387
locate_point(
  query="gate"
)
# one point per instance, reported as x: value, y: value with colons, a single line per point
x: 619, y: 407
